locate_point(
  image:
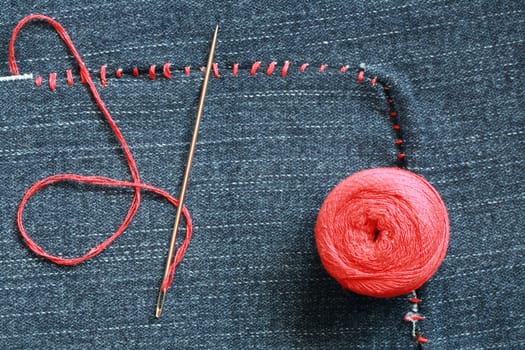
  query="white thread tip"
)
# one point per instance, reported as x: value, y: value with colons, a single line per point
x: 17, y: 77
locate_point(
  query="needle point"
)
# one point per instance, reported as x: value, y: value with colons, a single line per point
x: 160, y: 303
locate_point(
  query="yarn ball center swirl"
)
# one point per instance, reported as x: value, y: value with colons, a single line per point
x: 382, y: 232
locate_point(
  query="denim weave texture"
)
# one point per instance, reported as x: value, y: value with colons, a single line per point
x: 270, y: 149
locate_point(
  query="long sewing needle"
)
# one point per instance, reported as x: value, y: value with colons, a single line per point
x: 162, y: 293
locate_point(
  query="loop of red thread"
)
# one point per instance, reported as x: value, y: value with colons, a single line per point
x: 344, y: 69
x: 82, y: 77
x: 235, y: 69
x: 187, y: 70
x: 38, y: 81
x: 135, y: 184
x: 103, y: 79
x: 151, y: 72
x: 285, y: 68
x: 135, y: 72
x: 69, y: 77
x: 360, y: 75
x: 271, y: 68
x: 322, y: 68
x: 382, y: 232
x: 255, y: 66
x: 52, y: 81
x: 118, y: 73
x: 166, y: 70
x: 215, y: 69
x: 303, y: 67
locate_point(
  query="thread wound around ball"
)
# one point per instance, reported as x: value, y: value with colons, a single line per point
x: 382, y: 232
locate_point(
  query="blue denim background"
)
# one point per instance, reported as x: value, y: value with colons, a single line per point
x: 269, y: 151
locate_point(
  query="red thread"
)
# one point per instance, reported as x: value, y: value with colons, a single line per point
x: 52, y: 81
x: 303, y: 67
x: 400, y: 156
x: 187, y: 70
x: 215, y: 69
x: 344, y: 69
x: 413, y: 317
x: 69, y: 77
x: 151, y: 72
x: 235, y: 69
x: 201, y: 69
x: 414, y: 300
x: 166, y: 70
x: 393, y: 114
x: 382, y: 232
x: 118, y: 73
x: 396, y: 127
x: 421, y: 339
x: 255, y: 66
x: 373, y: 81
x: 322, y: 68
x: 135, y: 72
x: 38, y: 81
x: 103, y: 80
x: 271, y: 68
x: 82, y: 77
x: 360, y: 75
x: 285, y: 68
x: 399, y: 142
x: 135, y: 184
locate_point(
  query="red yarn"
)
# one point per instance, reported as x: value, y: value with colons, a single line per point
x: 135, y: 184
x: 382, y: 232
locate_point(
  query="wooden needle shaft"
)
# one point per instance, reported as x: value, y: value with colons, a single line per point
x: 162, y: 291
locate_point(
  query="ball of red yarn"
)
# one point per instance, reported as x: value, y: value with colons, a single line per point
x: 382, y: 232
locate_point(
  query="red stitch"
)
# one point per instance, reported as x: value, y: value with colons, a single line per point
x: 135, y: 72
x: 215, y: 68
x: 255, y: 66
x: 187, y: 70
x: 401, y: 156
x: 413, y: 317
x: 38, y: 81
x: 393, y: 114
x: 396, y: 127
x: 271, y: 68
x: 235, y: 69
x: 303, y: 67
x: 201, y: 69
x: 389, y: 100
x: 151, y: 72
x: 53, y: 81
x: 118, y: 73
x: 344, y: 69
x: 284, y: 70
x: 385, y: 87
x: 399, y: 142
x: 69, y: 77
x: 82, y: 77
x: 373, y: 81
x: 421, y: 339
x: 166, y: 70
x: 322, y: 68
x: 360, y: 75
x: 414, y: 300
x: 103, y: 81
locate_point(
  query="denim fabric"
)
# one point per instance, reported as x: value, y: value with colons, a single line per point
x: 270, y: 149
